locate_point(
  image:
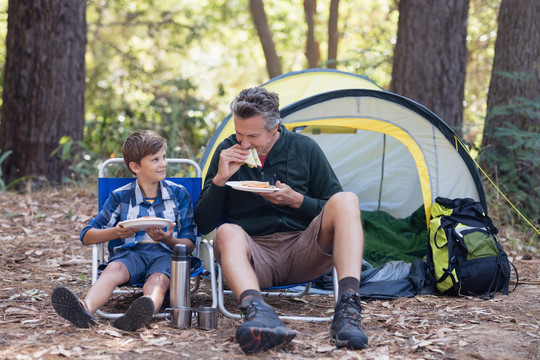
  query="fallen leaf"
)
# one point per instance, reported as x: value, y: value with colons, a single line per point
x: 325, y: 348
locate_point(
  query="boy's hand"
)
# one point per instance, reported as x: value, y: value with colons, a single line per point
x: 157, y: 234
x: 124, y: 233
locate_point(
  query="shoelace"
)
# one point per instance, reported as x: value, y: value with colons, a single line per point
x: 352, y: 310
x: 250, y: 311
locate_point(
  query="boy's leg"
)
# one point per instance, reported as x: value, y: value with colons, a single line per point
x: 140, y: 313
x: 68, y: 305
x: 142, y: 310
x: 156, y: 286
x: 80, y: 312
x: 115, y: 274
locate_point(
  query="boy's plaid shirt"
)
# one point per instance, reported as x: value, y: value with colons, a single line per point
x: 127, y: 203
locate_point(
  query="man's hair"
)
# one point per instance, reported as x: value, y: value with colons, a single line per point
x: 257, y: 101
x: 140, y: 144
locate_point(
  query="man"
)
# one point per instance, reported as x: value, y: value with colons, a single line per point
x: 292, y: 235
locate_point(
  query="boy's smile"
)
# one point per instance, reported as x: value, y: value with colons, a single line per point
x: 153, y: 168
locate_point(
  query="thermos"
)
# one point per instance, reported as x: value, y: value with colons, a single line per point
x: 180, y: 294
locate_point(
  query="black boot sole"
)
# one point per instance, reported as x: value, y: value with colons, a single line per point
x: 68, y: 306
x: 255, y: 339
x: 139, y: 314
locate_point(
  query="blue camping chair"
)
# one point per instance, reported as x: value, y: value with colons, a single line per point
x: 193, y: 185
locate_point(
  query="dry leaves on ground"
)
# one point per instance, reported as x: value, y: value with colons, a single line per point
x: 40, y: 248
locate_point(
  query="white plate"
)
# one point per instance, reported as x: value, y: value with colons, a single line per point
x: 146, y: 222
x: 238, y: 186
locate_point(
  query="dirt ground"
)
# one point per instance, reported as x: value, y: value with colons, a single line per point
x: 40, y: 248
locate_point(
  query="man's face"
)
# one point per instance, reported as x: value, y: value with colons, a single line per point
x: 251, y: 133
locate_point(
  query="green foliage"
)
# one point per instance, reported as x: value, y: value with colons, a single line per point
x: 3, y: 157
x: 481, y: 36
x: 516, y: 171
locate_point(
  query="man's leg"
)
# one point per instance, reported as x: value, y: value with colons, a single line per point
x: 262, y: 329
x: 341, y: 233
x: 233, y: 253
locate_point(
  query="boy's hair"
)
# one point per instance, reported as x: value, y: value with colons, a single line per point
x: 257, y: 101
x: 140, y: 144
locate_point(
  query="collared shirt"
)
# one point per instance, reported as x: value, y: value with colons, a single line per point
x: 296, y: 160
x: 173, y: 202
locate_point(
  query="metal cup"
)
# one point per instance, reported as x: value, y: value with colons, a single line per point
x: 179, y: 317
x: 207, y: 318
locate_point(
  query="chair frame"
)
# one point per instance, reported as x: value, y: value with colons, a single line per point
x: 272, y: 291
x: 98, y: 250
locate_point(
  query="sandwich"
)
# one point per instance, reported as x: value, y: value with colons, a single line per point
x: 257, y: 184
x: 253, y: 159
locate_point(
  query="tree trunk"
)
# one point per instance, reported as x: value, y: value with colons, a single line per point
x: 517, y: 51
x: 43, y: 97
x: 430, y: 56
x: 312, y: 46
x: 333, y: 34
x: 273, y: 64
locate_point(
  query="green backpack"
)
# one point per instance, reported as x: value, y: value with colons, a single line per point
x: 464, y: 255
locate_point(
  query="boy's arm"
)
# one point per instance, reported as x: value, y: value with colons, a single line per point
x: 96, y: 236
x: 167, y: 238
x: 104, y: 227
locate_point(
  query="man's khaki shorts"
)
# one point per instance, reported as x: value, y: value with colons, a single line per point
x: 289, y: 257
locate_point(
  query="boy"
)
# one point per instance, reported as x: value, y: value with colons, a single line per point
x: 142, y: 256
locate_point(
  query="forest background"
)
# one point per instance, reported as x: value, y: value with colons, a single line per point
x: 174, y: 66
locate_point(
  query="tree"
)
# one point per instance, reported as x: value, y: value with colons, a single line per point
x: 333, y: 34
x: 510, y: 143
x: 430, y: 56
x: 312, y: 46
x: 43, y: 99
x: 273, y: 64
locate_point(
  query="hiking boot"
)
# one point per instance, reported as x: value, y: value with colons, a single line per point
x: 140, y: 313
x: 262, y: 329
x: 70, y: 307
x: 346, y: 329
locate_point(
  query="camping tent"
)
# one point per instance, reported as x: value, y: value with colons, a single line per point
x: 393, y: 153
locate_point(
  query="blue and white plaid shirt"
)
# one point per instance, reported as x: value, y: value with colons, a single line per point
x: 127, y: 203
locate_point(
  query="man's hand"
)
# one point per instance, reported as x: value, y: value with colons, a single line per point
x: 286, y: 196
x: 230, y: 161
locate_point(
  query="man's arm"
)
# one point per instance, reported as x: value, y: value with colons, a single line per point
x: 211, y: 204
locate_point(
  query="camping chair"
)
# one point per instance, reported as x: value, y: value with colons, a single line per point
x: 271, y: 291
x: 108, y: 184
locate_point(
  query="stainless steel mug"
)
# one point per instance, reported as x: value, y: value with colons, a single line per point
x: 179, y: 317
x: 207, y: 318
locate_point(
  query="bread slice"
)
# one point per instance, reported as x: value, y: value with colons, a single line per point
x: 253, y: 159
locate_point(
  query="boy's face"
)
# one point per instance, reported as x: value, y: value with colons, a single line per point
x: 153, y: 168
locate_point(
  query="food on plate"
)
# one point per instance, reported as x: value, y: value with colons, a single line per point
x: 257, y: 184
x: 253, y: 159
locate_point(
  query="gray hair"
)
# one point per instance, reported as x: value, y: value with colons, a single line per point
x: 257, y: 101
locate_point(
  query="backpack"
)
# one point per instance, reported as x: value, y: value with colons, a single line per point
x: 464, y: 255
